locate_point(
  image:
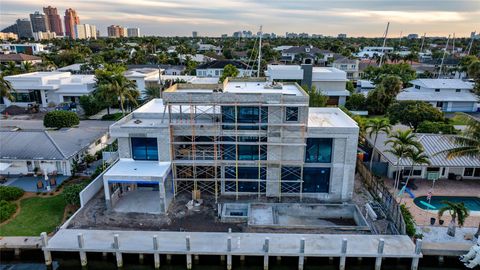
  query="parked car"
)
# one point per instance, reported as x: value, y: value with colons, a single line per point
x: 66, y: 106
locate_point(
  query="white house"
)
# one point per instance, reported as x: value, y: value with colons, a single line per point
x: 27, y: 48
x: 209, y: 47
x: 215, y: 68
x: 49, y: 87
x: 350, y: 66
x: 306, y: 54
x: 449, y: 95
x: 369, y: 52
x: 329, y: 80
x: 199, y: 58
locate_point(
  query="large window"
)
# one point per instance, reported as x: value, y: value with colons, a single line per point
x: 245, y: 152
x: 291, y: 179
x: 244, y: 115
x: 291, y: 114
x: 316, y: 180
x: 472, y: 172
x: 32, y: 96
x: 245, y: 173
x: 144, y: 149
x: 319, y: 150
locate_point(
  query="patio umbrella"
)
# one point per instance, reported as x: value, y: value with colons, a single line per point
x: 45, y: 173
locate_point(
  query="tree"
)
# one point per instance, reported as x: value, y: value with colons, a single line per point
x: 350, y: 87
x: 373, y: 127
x: 356, y: 102
x: 403, y: 143
x: 456, y: 211
x: 402, y: 70
x: 105, y: 77
x: 122, y: 88
x: 474, y: 73
x: 60, y: 119
x: 6, y: 89
x: 152, y: 92
x: 27, y: 67
x: 416, y: 157
x: 412, y: 113
x: 10, y: 69
x: 384, y: 94
x: 468, y: 142
x: 436, y: 127
x: 316, y: 98
x: 466, y: 61
x: 91, y: 105
x: 228, y: 71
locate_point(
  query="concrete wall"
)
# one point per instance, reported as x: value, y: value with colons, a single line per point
x: 330, y: 85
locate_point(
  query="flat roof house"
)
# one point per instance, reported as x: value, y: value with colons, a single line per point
x: 331, y: 81
x: 448, y: 95
x: 215, y: 68
x: 49, y: 87
x: 242, y: 137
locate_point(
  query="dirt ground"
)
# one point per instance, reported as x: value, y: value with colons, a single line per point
x: 96, y: 216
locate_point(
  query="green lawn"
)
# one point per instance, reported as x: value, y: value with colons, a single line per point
x: 37, y: 214
x: 458, y: 120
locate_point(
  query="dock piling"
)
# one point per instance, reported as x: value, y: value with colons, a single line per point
x: 229, y: 255
x: 343, y: 257
x: 118, y: 254
x: 46, y: 253
x: 156, y: 255
x: 378, y: 260
x: 418, y: 250
x: 266, y: 249
x: 301, y: 258
x: 189, y: 255
x: 83, y: 254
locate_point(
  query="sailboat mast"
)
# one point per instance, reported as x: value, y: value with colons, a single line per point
x: 423, y: 41
x: 443, y: 58
x: 383, y: 46
x: 259, y: 52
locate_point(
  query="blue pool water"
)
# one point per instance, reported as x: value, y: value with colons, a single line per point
x: 472, y: 203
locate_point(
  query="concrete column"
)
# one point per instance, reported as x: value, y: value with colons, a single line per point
x: 242, y: 258
x: 17, y: 252
x: 156, y: 255
x: 229, y: 250
x: 301, y: 258
x: 141, y: 258
x: 343, y: 257
x: 104, y: 255
x: 266, y: 248
x: 418, y: 250
x: 378, y: 260
x: 43, y: 98
x: 189, y: 256
x: 83, y: 254
x: 46, y: 254
x: 118, y: 254
x: 169, y: 258
x: 196, y: 258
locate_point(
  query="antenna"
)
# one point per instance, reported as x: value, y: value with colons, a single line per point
x: 443, y: 58
x: 423, y: 41
x: 384, y: 42
x: 259, y: 52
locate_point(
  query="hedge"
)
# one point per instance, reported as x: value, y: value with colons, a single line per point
x: 409, y: 222
x: 71, y: 193
x: 7, y: 209
x: 8, y: 193
x: 60, y: 119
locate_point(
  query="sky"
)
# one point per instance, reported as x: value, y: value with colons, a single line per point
x: 215, y: 17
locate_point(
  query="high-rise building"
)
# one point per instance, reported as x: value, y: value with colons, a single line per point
x: 54, y: 21
x: 342, y: 36
x: 44, y: 35
x: 85, y: 31
x: 8, y: 35
x: 71, y: 19
x: 24, y: 28
x: 116, y: 31
x: 194, y: 34
x: 133, y: 32
x: 39, y: 22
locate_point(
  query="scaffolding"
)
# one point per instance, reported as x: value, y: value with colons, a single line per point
x: 201, y: 136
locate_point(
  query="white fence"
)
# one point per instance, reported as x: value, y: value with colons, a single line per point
x: 89, y: 191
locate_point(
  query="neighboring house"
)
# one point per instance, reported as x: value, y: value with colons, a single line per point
x: 49, y: 87
x: 282, y: 48
x: 329, y: 80
x: 440, y: 168
x: 306, y: 55
x: 53, y: 151
x: 365, y: 86
x: 448, y: 95
x: 27, y: 48
x: 350, y: 66
x: 199, y: 58
x: 172, y: 69
x: 19, y: 59
x: 215, y: 68
x: 203, y: 48
x: 74, y: 68
x: 242, y: 137
x: 370, y: 52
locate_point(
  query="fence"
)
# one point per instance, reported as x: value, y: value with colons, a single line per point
x: 89, y: 191
x: 378, y: 189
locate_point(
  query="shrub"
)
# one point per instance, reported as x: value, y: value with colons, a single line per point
x: 409, y: 222
x: 98, y: 171
x: 436, y: 127
x: 91, y: 105
x: 71, y: 193
x: 8, y: 193
x: 7, y: 209
x: 112, y: 117
x: 89, y: 158
x: 356, y: 102
x: 60, y: 119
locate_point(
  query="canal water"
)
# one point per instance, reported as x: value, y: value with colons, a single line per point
x: 62, y: 261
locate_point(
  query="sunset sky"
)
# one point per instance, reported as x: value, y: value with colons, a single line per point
x: 216, y: 17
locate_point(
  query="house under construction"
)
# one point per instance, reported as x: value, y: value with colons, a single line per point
x: 242, y: 137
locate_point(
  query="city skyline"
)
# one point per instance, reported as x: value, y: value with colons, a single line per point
x: 355, y: 18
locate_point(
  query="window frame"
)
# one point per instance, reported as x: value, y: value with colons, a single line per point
x: 288, y: 115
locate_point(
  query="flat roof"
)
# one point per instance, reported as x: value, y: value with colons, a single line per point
x: 127, y: 167
x: 262, y: 88
x: 428, y: 95
x: 329, y: 117
x: 442, y: 83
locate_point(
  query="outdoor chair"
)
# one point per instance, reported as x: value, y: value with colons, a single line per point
x: 40, y: 185
x: 53, y: 182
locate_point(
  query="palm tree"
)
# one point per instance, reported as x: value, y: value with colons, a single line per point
x: 456, y: 211
x: 375, y: 126
x: 468, y: 142
x: 152, y: 92
x: 403, y: 142
x: 10, y: 69
x: 6, y: 89
x: 416, y: 157
x: 27, y: 67
x: 123, y: 89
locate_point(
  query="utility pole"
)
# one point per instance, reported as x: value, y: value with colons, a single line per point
x: 383, y: 46
x: 259, y: 52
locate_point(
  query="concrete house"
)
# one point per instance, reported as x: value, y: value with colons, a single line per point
x: 350, y: 66
x: 49, y: 87
x: 306, y: 55
x: 242, y: 137
x: 331, y: 81
x: 26, y: 48
x: 215, y: 68
x: 370, y: 52
x: 440, y: 168
x: 448, y: 95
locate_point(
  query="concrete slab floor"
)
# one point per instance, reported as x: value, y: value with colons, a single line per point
x: 139, y: 201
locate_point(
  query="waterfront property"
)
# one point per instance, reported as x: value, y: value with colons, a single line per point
x: 330, y: 81
x: 19, y: 59
x: 46, y: 88
x: 350, y: 66
x: 242, y: 137
x: 215, y: 68
x: 448, y: 95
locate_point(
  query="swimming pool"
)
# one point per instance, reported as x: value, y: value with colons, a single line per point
x: 472, y: 203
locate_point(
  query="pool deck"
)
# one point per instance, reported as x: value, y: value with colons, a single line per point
x: 29, y: 183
